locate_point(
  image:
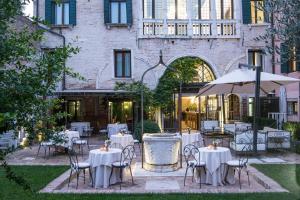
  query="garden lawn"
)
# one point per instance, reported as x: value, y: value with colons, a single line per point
x: 40, y: 176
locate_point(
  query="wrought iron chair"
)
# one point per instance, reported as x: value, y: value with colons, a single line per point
x: 125, y: 161
x: 192, y: 158
x: 116, y: 146
x: 199, y: 143
x: 46, y: 145
x: 76, y: 141
x: 77, y: 167
x: 240, y: 164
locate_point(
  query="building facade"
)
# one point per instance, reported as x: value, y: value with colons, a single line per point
x: 120, y: 39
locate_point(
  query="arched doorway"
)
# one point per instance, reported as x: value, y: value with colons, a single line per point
x: 193, y: 107
x: 233, y: 107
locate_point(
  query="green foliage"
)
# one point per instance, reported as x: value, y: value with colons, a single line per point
x: 149, y: 127
x: 185, y: 71
x: 294, y: 128
x: 134, y: 92
x: 29, y: 76
x: 262, y: 122
x: 286, y: 26
x: 287, y: 175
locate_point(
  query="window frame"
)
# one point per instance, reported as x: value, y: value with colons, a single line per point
x: 123, y: 51
x: 119, y: 11
x: 62, y: 3
x: 254, y: 51
x: 255, y: 12
x: 222, y: 11
x: 294, y: 106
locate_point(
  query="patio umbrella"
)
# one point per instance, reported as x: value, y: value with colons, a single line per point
x: 242, y: 81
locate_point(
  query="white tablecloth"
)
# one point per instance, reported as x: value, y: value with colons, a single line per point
x: 190, y: 138
x: 101, y: 162
x: 80, y: 126
x: 113, y: 129
x: 214, y: 169
x: 123, y: 140
x: 68, y: 136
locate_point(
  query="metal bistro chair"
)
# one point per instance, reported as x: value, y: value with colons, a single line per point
x: 125, y: 161
x: 46, y: 146
x: 192, y: 158
x: 76, y: 141
x: 240, y: 164
x: 116, y: 146
x: 199, y: 143
x: 77, y: 167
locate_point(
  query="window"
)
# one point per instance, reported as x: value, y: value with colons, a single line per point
x: 292, y: 108
x: 224, y: 9
x: 255, y: 58
x: 61, y: 13
x: 292, y: 63
x: 118, y: 12
x: 122, y: 64
x: 74, y: 109
x: 257, y: 15
x: 250, y: 106
x: 200, y: 9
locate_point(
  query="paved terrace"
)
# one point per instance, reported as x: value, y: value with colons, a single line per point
x: 152, y: 182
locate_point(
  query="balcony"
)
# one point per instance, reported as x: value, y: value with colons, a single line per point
x: 168, y: 28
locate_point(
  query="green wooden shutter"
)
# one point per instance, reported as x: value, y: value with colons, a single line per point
x: 49, y: 15
x: 246, y: 11
x: 284, y: 59
x: 129, y: 11
x: 72, y: 12
x: 106, y: 11
x: 298, y: 55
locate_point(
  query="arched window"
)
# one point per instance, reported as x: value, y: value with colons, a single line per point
x: 204, y: 74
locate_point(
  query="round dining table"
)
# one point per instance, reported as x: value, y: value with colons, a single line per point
x: 215, y: 160
x: 100, y: 162
x: 114, y: 129
x: 190, y: 138
x: 124, y: 140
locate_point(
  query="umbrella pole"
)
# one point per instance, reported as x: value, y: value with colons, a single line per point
x: 257, y: 108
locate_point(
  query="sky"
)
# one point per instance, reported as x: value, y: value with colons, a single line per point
x: 29, y: 9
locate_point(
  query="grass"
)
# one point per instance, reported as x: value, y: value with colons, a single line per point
x: 39, y: 176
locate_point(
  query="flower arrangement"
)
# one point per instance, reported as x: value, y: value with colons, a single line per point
x: 107, y: 143
x: 189, y: 130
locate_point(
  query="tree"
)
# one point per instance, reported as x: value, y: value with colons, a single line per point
x: 285, y: 27
x: 28, y: 77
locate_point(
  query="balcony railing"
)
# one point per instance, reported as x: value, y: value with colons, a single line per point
x: 159, y: 28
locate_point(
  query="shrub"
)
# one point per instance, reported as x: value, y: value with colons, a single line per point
x: 294, y: 128
x: 262, y: 122
x: 149, y: 127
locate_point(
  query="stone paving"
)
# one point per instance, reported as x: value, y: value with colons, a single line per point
x: 151, y: 182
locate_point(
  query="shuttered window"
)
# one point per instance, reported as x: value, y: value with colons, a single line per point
x: 118, y: 11
x: 62, y: 13
x: 246, y: 8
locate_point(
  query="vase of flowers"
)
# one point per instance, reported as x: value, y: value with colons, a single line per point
x: 107, y: 143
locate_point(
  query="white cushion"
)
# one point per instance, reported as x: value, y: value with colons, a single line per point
x: 46, y: 143
x: 80, y: 142
x: 194, y: 163
x: 83, y: 165
x: 235, y: 163
x: 136, y: 141
x: 118, y: 164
